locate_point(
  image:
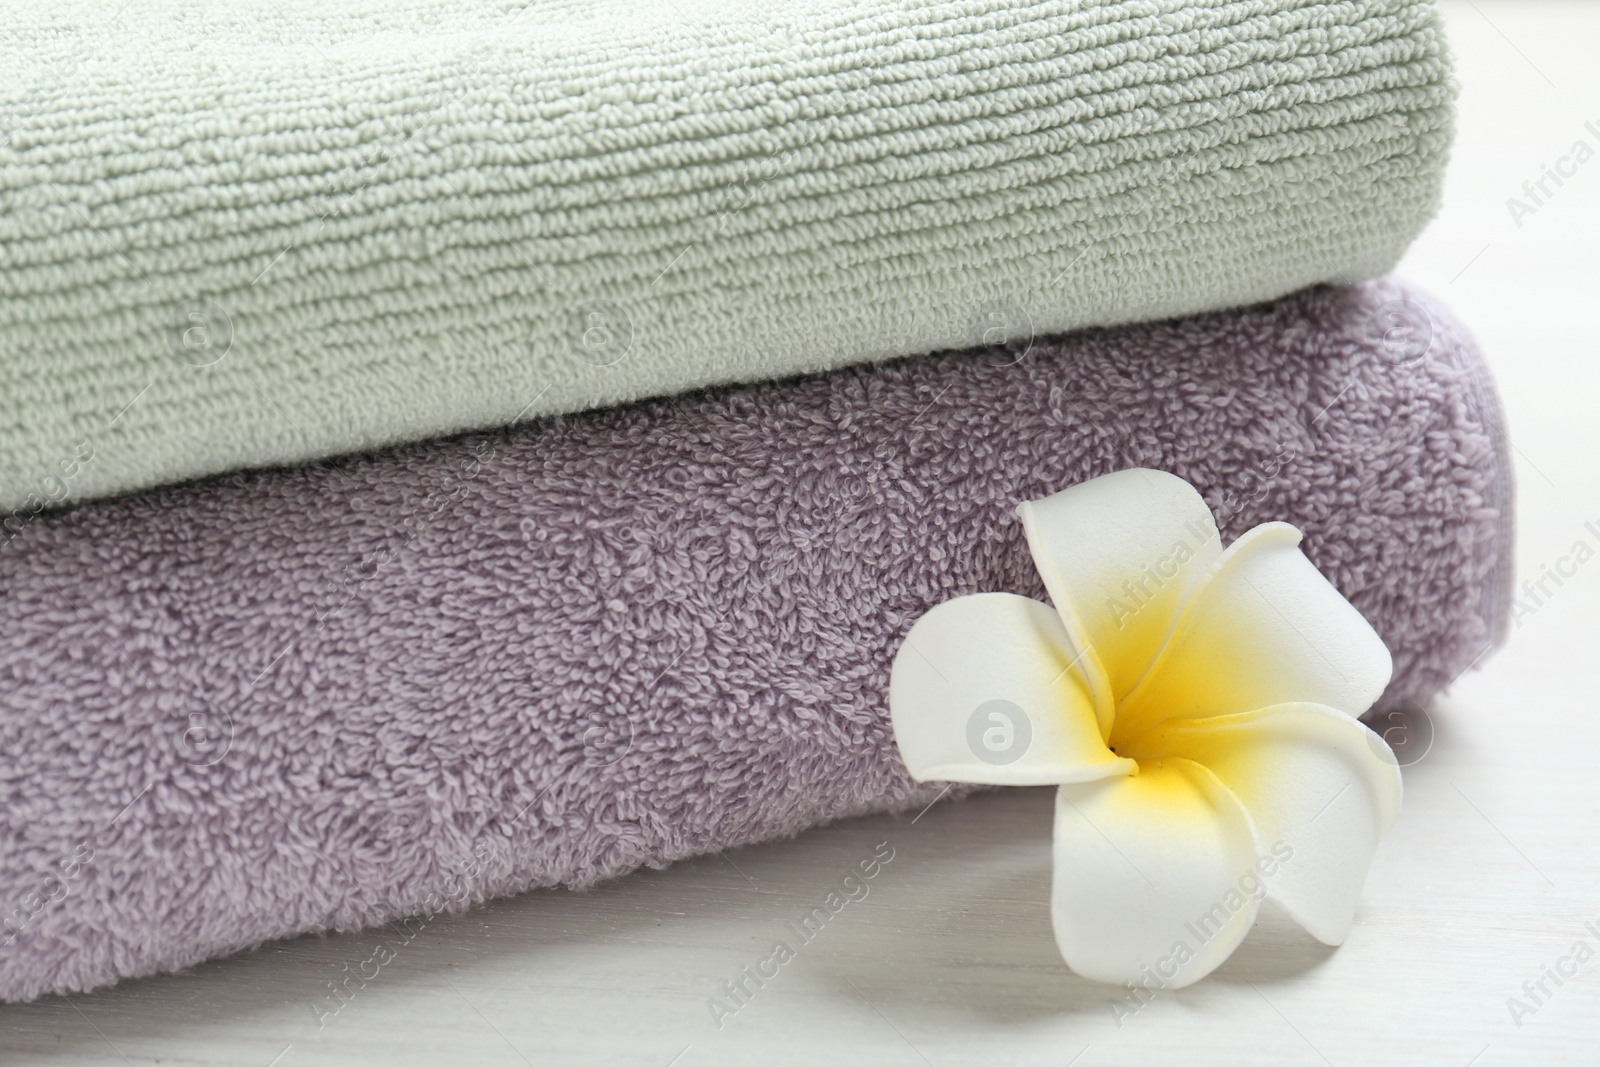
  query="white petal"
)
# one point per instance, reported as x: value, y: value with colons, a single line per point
x: 1119, y: 555
x: 1264, y: 628
x: 1322, y: 790
x: 981, y: 692
x: 1153, y: 875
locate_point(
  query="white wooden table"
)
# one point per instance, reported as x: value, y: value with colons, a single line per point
x: 1488, y: 879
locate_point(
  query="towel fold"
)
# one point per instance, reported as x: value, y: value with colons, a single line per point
x: 334, y: 696
x: 243, y: 235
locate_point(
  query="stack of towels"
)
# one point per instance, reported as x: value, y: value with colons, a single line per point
x: 448, y: 449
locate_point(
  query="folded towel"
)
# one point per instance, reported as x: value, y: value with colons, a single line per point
x: 328, y: 697
x: 242, y: 235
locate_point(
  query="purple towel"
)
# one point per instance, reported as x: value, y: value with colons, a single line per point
x: 335, y: 696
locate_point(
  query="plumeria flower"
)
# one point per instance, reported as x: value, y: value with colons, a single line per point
x: 1196, y: 707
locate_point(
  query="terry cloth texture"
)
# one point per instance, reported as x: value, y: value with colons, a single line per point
x: 244, y: 235
x: 328, y: 697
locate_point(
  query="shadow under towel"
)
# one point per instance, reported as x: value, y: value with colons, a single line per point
x: 333, y: 696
